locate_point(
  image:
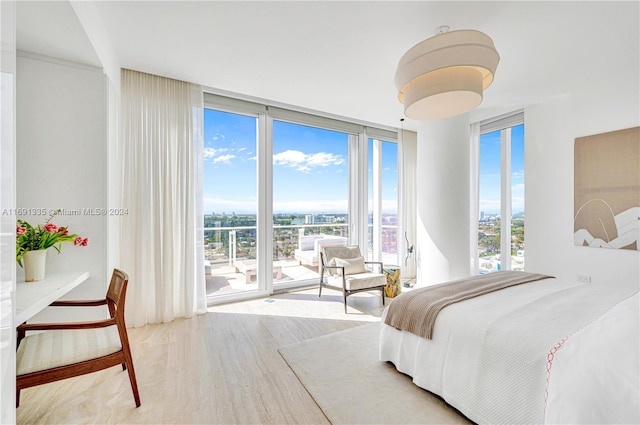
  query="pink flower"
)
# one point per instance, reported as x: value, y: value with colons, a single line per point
x: 63, y: 230
x: 85, y: 242
x: 21, y: 230
x: 51, y: 228
x: 78, y: 241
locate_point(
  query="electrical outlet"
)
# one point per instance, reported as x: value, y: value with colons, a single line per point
x: 584, y: 278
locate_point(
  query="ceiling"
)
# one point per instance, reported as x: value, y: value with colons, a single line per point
x: 340, y: 57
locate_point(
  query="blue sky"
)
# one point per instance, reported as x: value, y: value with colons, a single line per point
x: 490, y: 171
x: 310, y: 167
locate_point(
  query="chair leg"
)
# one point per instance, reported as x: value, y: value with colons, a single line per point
x: 320, y: 293
x: 344, y: 295
x: 17, y: 398
x: 132, y: 379
x: 128, y: 362
x: 382, y: 294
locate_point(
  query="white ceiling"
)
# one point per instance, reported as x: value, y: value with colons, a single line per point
x: 340, y: 57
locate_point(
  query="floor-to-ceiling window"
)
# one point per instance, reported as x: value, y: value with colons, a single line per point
x: 501, y: 222
x: 382, y: 235
x: 278, y: 185
x: 230, y: 206
x: 310, y: 197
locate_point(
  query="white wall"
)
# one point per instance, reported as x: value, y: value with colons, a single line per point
x: 114, y: 181
x: 61, y: 162
x: 442, y: 245
x: 550, y: 130
x: 7, y: 221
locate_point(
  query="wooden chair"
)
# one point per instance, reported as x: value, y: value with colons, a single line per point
x: 71, y: 349
x: 345, y: 267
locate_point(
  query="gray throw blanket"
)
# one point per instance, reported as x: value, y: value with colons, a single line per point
x: 416, y: 311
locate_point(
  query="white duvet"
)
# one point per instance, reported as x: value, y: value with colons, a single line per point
x: 550, y: 351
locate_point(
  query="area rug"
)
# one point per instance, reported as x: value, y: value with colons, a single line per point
x: 342, y: 373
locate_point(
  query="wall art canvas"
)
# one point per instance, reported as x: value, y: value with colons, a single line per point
x: 607, y: 190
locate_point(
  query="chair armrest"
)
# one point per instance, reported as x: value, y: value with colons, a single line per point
x: 23, y: 328
x: 78, y: 303
x: 376, y: 262
x: 69, y: 325
x: 334, y: 267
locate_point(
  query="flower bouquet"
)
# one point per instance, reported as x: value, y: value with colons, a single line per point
x: 39, y: 238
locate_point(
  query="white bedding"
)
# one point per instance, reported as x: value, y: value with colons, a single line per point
x: 489, y: 355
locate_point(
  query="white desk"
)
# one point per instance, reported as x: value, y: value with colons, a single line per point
x: 33, y: 297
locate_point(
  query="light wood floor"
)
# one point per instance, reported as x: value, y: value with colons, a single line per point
x: 222, y: 367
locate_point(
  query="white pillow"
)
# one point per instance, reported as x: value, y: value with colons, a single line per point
x: 351, y: 265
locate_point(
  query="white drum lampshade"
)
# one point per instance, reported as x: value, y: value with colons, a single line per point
x: 445, y: 75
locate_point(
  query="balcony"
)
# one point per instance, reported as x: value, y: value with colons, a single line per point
x: 230, y: 254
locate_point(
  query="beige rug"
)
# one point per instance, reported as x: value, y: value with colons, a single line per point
x: 342, y: 373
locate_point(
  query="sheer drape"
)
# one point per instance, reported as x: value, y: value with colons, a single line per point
x: 474, y: 194
x: 407, y: 145
x: 161, y: 246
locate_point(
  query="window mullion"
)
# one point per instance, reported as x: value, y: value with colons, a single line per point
x: 377, y: 200
x: 264, y: 229
x: 505, y: 208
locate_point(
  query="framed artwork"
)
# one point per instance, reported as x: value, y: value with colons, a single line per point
x: 607, y: 190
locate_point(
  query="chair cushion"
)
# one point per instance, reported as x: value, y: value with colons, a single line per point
x: 351, y: 265
x: 341, y: 252
x: 358, y: 281
x: 51, y: 349
x: 344, y: 252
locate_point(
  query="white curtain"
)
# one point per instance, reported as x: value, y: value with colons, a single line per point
x: 408, y: 152
x: 162, y: 246
x: 474, y: 194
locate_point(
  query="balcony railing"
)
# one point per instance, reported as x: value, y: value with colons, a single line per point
x: 225, y: 245
x: 228, y: 244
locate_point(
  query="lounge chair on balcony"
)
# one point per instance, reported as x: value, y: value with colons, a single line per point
x: 249, y: 268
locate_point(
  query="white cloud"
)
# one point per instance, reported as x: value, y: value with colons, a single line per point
x: 212, y: 152
x: 226, y: 159
x: 324, y: 159
x: 289, y: 158
x: 306, y: 162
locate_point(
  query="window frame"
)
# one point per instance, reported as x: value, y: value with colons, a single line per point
x: 503, y: 123
x: 266, y: 112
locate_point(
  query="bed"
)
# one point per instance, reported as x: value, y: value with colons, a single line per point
x: 548, y: 351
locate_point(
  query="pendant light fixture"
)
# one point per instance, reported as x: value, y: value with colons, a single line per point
x: 445, y: 75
